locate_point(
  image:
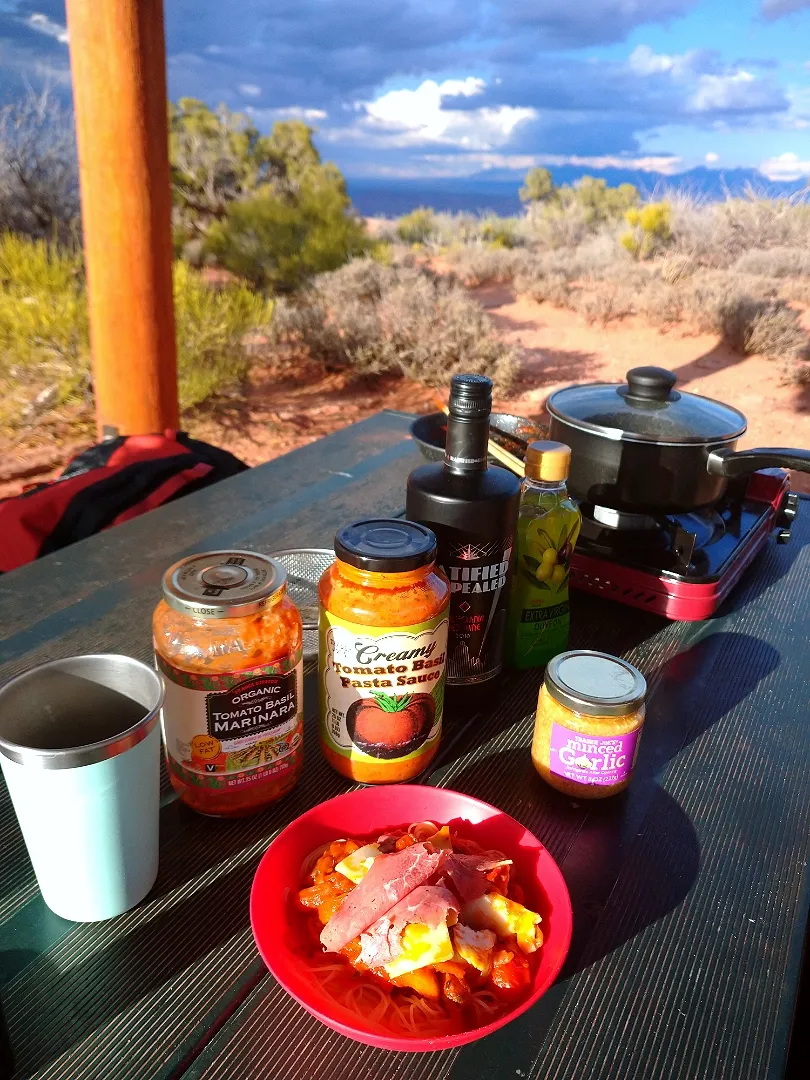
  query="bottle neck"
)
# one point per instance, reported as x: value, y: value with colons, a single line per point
x: 545, y: 487
x: 466, y: 448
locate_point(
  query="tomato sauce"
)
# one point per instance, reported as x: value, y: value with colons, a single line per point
x: 383, y: 649
x: 228, y: 642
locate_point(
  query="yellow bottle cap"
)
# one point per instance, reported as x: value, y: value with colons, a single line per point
x: 548, y: 461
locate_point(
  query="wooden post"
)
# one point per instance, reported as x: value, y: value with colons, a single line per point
x: 118, y: 64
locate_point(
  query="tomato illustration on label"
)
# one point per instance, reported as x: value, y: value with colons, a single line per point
x: 388, y: 727
x: 382, y: 689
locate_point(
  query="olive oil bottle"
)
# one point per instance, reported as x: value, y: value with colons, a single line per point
x: 471, y: 506
x: 548, y: 527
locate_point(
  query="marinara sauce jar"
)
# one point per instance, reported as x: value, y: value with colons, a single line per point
x: 228, y: 643
x: 383, y: 649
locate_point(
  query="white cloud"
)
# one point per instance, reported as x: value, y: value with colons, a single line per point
x: 663, y: 163
x: 249, y: 89
x: 291, y: 112
x: 44, y: 25
x: 461, y: 165
x: 785, y: 167
x: 712, y: 158
x: 644, y: 61
x: 401, y: 118
x: 298, y: 112
x: 708, y: 86
x: 798, y: 115
x: 740, y: 91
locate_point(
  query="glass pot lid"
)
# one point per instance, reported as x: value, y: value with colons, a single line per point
x: 646, y: 408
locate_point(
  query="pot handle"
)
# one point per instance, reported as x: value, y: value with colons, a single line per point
x: 731, y: 463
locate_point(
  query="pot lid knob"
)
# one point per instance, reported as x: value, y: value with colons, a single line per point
x: 650, y: 383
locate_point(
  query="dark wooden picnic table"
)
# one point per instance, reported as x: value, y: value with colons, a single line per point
x: 690, y: 891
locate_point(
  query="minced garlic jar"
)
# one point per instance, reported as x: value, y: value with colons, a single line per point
x: 590, y: 712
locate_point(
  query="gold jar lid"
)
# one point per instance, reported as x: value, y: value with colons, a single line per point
x: 223, y: 584
x: 549, y: 461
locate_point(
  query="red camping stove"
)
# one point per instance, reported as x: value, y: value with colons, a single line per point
x: 684, y: 565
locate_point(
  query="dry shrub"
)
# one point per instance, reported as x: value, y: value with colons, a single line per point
x: 748, y: 323
x: 736, y: 319
x: 595, y: 265
x: 475, y: 265
x: 373, y: 318
x: 660, y: 304
x: 551, y: 288
x: 601, y: 255
x: 777, y: 333
x: 717, y: 234
x: 776, y: 262
x: 675, y: 268
x: 601, y: 303
x: 555, y: 225
x: 797, y: 289
x: 417, y: 227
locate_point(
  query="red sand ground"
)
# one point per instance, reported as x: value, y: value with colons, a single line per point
x: 292, y: 402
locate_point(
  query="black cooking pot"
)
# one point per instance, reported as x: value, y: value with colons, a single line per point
x: 644, y: 447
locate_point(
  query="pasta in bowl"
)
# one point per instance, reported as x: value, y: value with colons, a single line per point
x: 411, y: 918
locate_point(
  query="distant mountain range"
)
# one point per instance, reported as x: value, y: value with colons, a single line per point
x: 497, y: 192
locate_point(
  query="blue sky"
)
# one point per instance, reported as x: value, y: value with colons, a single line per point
x: 427, y: 88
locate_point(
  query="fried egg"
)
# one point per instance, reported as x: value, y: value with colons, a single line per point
x: 492, y: 911
x: 421, y: 945
x: 356, y: 865
x: 474, y: 946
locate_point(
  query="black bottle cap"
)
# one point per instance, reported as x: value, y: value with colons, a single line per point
x: 385, y: 545
x: 470, y: 396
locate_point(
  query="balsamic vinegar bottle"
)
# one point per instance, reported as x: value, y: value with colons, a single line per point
x: 472, y: 508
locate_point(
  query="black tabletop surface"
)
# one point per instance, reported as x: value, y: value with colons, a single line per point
x: 690, y: 891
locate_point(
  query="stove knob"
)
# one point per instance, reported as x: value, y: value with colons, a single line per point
x: 789, y: 509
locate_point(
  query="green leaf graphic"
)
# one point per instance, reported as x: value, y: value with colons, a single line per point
x: 392, y: 704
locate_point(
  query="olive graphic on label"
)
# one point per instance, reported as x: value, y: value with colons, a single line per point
x: 385, y: 726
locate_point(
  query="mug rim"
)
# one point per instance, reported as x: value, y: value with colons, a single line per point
x: 71, y: 757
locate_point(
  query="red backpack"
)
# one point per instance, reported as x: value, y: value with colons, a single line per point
x: 104, y: 486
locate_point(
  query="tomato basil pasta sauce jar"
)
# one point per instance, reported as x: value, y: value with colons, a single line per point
x: 228, y: 642
x: 383, y: 648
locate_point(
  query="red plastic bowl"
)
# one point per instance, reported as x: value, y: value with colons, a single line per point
x: 368, y: 812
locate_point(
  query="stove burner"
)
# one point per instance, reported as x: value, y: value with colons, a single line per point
x: 706, y: 526
x: 619, y: 519
x: 678, y: 539
x: 681, y: 566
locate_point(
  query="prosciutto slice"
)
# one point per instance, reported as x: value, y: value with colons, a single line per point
x: 467, y: 873
x: 390, y: 879
x: 428, y: 905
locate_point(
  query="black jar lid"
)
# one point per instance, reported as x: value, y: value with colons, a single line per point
x: 385, y: 545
